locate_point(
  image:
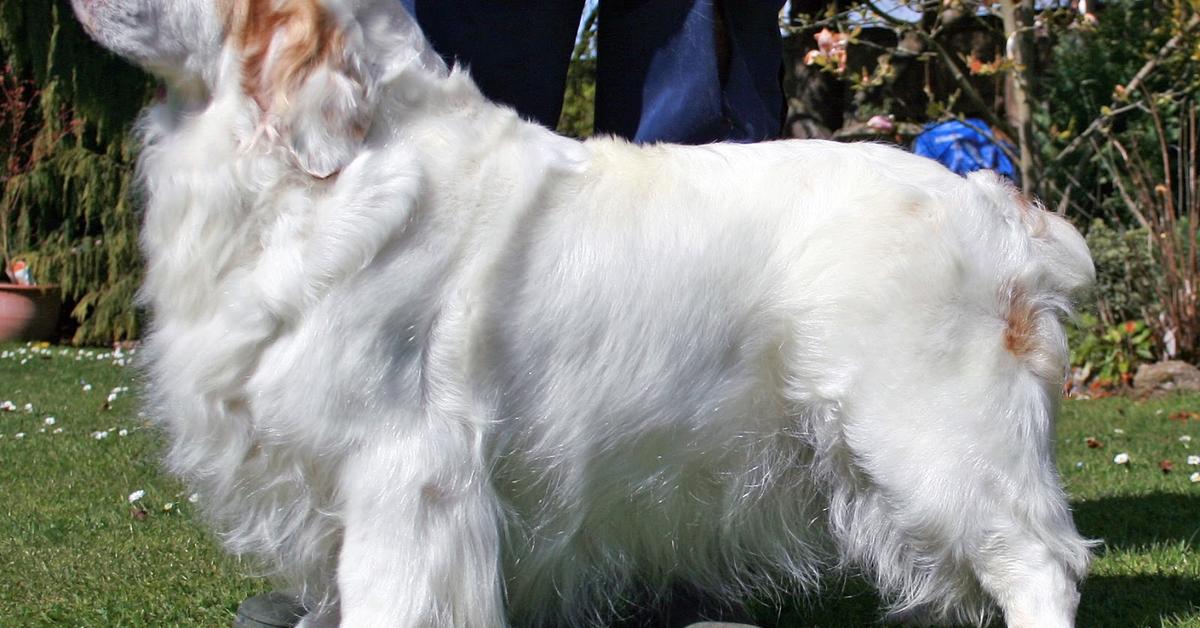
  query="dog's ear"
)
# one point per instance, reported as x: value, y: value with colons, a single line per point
x: 301, y: 67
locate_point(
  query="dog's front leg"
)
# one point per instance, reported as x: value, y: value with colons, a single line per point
x: 421, y: 545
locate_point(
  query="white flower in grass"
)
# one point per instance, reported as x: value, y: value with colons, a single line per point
x: 58, y: 430
x: 112, y: 397
x: 99, y: 435
x: 1195, y: 477
x: 1185, y: 439
x: 87, y: 388
x: 123, y: 433
x: 193, y: 498
x: 168, y: 507
x: 50, y: 420
x: 136, y: 495
x: 1121, y: 458
x: 1193, y: 460
x: 29, y: 408
x: 1117, y: 430
x: 8, y: 406
x: 19, y: 435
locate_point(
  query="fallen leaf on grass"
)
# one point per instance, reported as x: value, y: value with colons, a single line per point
x: 139, y: 513
x: 1185, y: 415
x: 1166, y: 466
x: 1094, y: 443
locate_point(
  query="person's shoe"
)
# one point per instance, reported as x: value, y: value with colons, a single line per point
x: 269, y: 610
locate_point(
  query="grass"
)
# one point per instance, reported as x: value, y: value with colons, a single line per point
x: 71, y: 550
x: 75, y: 551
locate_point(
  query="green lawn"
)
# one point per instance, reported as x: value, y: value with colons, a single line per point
x: 74, y: 551
x: 71, y: 550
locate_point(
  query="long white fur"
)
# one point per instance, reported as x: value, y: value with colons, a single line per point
x: 485, y: 375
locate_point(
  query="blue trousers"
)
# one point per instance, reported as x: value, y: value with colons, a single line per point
x: 659, y: 76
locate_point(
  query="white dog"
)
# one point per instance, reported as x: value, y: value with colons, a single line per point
x: 440, y: 367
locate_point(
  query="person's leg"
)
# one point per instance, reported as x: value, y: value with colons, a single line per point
x: 661, y: 74
x: 517, y: 51
x: 753, y: 87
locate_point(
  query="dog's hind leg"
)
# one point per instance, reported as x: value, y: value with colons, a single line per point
x: 420, y: 545
x: 1029, y: 556
x: 949, y: 494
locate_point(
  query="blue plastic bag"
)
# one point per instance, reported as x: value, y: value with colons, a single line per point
x: 963, y: 148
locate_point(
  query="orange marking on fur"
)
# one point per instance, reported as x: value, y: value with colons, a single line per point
x: 307, y: 37
x: 1021, y: 328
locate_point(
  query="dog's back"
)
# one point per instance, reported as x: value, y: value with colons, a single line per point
x: 718, y: 364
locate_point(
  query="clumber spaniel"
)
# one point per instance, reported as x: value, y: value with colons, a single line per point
x: 437, y: 366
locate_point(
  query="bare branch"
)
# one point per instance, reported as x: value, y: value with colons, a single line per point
x: 1133, y: 84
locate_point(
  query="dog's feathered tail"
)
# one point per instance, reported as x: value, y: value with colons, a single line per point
x: 1048, y: 266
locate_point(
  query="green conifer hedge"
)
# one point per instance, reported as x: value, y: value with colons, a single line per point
x: 69, y: 207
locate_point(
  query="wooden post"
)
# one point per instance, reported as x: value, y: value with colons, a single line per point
x: 1018, y: 28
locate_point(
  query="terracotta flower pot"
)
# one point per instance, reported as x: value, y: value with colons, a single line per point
x: 28, y: 312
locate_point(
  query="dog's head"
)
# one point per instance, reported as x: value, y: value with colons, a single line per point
x: 178, y: 41
x: 310, y: 66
